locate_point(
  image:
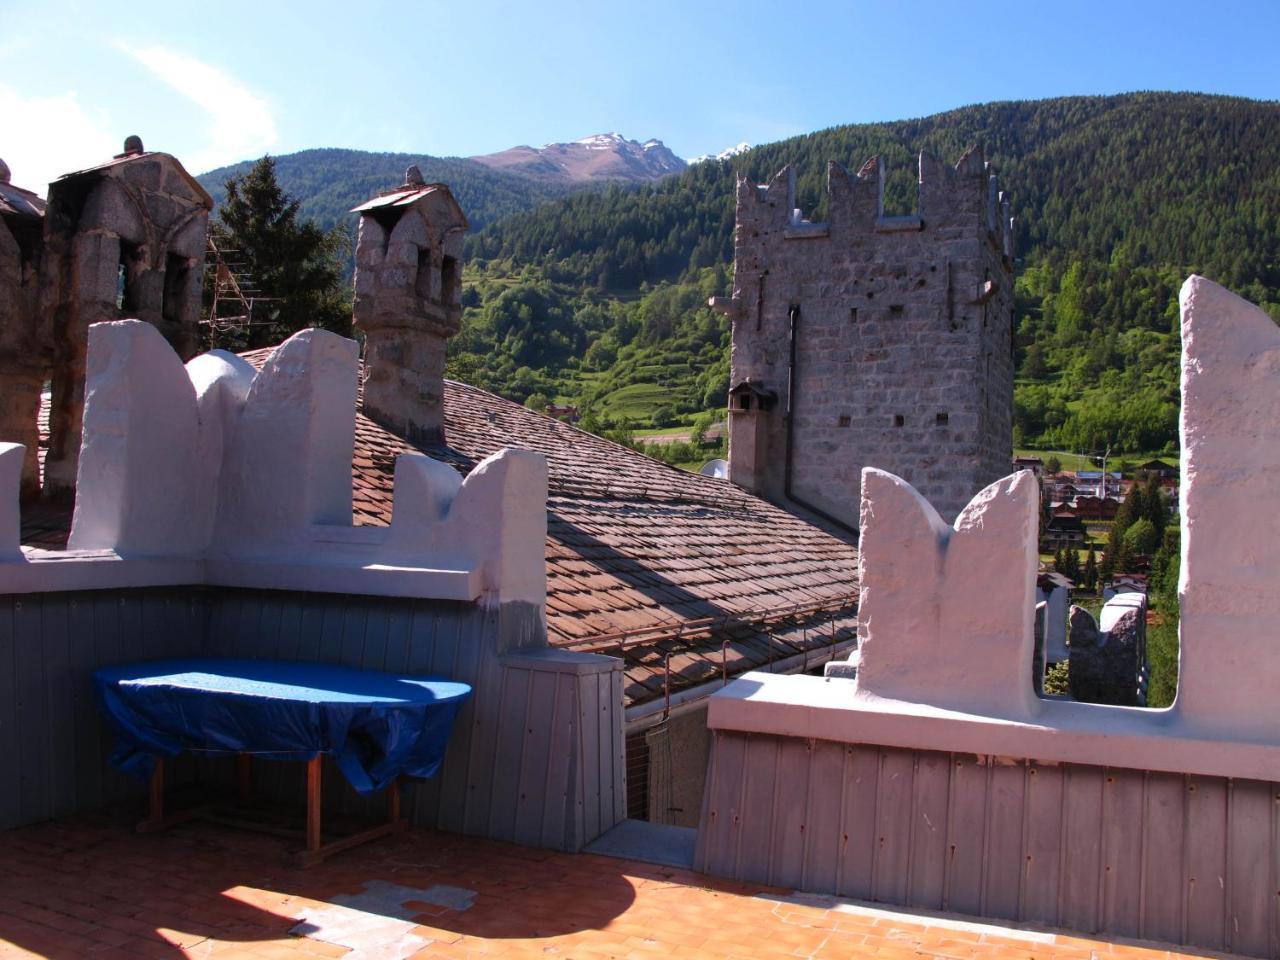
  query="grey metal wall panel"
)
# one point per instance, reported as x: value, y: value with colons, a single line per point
x: 930, y: 795
x: 1003, y: 861
x: 1249, y: 883
x: 1183, y: 859
x: 760, y: 779
x: 1044, y: 831
x: 858, y: 837
x: 32, y: 711
x: 788, y: 840
x: 893, y: 829
x: 1082, y: 848
x: 722, y: 805
x: 1162, y: 857
x: 513, y: 721
x: 966, y: 834
x: 559, y: 799
x: 824, y: 835
x: 1205, y: 837
x: 1123, y: 792
x: 588, y: 707
x: 620, y: 749
x: 10, y: 790
x: 536, y: 752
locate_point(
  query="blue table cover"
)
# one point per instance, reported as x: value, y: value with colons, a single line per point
x: 376, y: 725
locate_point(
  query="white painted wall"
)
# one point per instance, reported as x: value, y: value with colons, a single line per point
x: 216, y: 473
x: 1229, y: 585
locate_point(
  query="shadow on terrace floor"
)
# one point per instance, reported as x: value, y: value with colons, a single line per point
x: 91, y: 887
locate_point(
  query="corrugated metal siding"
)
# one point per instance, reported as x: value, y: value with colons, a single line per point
x: 1186, y: 859
x: 536, y: 755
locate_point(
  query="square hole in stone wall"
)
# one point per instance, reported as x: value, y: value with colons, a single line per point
x: 844, y: 420
x: 899, y: 420
x: 941, y: 419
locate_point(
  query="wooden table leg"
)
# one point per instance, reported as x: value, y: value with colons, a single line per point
x: 313, y: 804
x: 393, y: 802
x: 155, y: 801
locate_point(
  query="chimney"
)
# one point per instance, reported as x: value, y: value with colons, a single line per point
x: 408, y: 302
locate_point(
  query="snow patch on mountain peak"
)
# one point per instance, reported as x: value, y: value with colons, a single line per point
x: 724, y: 154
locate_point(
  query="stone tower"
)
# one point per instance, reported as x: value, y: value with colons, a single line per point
x: 124, y: 239
x: 870, y: 340
x: 408, y: 302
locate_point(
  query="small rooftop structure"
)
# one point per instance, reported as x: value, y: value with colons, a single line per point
x: 123, y: 239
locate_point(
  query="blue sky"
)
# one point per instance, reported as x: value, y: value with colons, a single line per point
x: 228, y: 81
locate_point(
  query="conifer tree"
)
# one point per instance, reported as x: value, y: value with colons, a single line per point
x: 294, y: 264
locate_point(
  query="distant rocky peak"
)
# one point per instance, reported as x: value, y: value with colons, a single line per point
x: 602, y: 156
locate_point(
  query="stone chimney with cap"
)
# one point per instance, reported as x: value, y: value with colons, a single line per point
x: 408, y: 302
x: 122, y: 240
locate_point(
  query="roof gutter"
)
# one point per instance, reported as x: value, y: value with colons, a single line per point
x: 641, y: 716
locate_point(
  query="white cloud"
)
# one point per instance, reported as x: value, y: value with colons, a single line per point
x: 240, y: 122
x: 50, y: 136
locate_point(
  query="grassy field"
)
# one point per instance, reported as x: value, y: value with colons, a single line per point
x: 1075, y: 461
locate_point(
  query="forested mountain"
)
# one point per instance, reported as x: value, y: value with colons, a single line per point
x: 1117, y: 198
x: 330, y: 182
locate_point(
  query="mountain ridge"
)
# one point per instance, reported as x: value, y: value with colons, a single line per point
x: 600, y: 157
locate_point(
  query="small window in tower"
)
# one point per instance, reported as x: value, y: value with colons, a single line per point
x: 941, y: 419
x: 744, y: 401
x: 448, y: 280
x: 126, y: 295
x: 844, y: 420
x: 853, y: 314
x: 896, y: 309
x: 899, y: 420
x: 422, y: 283
x: 176, y: 272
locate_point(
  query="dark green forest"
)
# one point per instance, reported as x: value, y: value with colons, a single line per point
x: 600, y: 297
x: 330, y: 182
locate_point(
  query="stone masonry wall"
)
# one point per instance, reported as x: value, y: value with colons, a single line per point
x: 903, y: 354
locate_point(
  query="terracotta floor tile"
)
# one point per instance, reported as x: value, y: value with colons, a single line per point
x: 92, y: 888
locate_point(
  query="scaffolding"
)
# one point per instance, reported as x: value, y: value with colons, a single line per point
x: 236, y: 304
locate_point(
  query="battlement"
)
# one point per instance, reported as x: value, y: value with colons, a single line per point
x: 946, y: 196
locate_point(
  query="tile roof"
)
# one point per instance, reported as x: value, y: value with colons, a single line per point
x: 668, y: 569
x: 17, y: 202
x: 645, y: 560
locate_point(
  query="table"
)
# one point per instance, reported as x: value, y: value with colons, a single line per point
x: 377, y: 726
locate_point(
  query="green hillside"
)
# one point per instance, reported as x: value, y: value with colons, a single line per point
x: 1117, y: 198
x: 330, y: 182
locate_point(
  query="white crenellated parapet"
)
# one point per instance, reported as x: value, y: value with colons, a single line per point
x: 140, y: 457
x: 287, y: 463
x: 214, y: 472
x: 946, y: 613
x: 1229, y: 586
x: 11, y: 461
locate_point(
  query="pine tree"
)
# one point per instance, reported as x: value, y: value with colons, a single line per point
x: 1090, y: 578
x: 296, y: 265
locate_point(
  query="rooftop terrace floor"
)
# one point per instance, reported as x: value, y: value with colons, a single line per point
x: 90, y: 887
